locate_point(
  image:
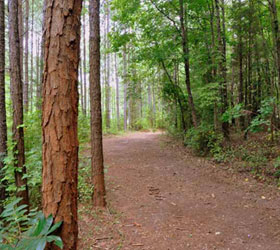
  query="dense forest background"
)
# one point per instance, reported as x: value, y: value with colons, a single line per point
x: 206, y: 71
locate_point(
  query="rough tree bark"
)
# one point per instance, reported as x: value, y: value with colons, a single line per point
x: 60, y: 115
x: 17, y: 100
x: 95, y: 100
x: 3, y: 124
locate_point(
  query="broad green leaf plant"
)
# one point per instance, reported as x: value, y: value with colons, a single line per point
x: 22, y: 231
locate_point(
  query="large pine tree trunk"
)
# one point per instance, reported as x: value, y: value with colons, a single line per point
x: 26, y: 83
x: 17, y: 100
x: 60, y: 115
x: 96, y: 116
x: 3, y: 124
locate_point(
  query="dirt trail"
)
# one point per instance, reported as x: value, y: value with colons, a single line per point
x: 170, y: 200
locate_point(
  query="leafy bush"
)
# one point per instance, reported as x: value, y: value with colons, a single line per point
x: 33, y: 159
x: 233, y: 113
x: 263, y: 119
x: 204, y: 140
x: 22, y: 231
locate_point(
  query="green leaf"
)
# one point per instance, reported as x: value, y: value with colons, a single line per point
x: 40, y: 225
x: 54, y: 227
x: 47, y: 225
x: 57, y: 240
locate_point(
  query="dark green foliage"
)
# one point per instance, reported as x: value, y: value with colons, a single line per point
x: 204, y: 140
x: 263, y: 119
x: 22, y: 231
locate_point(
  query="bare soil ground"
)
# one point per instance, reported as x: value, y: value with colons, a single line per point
x: 162, y: 197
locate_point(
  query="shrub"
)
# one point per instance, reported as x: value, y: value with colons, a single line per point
x: 204, y: 140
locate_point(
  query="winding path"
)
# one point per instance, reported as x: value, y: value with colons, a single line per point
x: 170, y: 199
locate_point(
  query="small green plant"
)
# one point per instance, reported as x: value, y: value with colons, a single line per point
x: 277, y: 167
x: 85, y: 187
x: 22, y: 231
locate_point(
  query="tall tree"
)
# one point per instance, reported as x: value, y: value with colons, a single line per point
x: 95, y: 100
x: 85, y: 62
x: 26, y: 83
x: 3, y: 124
x: 220, y: 19
x: 107, y: 59
x: 31, y: 57
x: 186, y: 54
x: 125, y: 89
x: 62, y: 25
x: 276, y: 35
x: 117, y: 91
x: 17, y: 100
x: 240, y: 59
x: 21, y: 33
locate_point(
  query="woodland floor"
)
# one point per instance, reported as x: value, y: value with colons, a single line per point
x: 162, y: 197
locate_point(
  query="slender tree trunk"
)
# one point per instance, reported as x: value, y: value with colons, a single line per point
x: 117, y: 92
x: 222, y: 62
x: 240, y: 58
x: 107, y: 87
x: 60, y: 116
x: 3, y: 123
x: 125, y: 89
x: 31, y: 57
x: 96, y: 116
x: 82, y: 87
x: 38, y: 82
x: 85, y: 63
x: 184, y: 34
x: 150, y: 105
x: 20, y: 30
x: 275, y: 26
x: 26, y: 80
x: 17, y: 100
x: 213, y: 43
x: 41, y: 56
